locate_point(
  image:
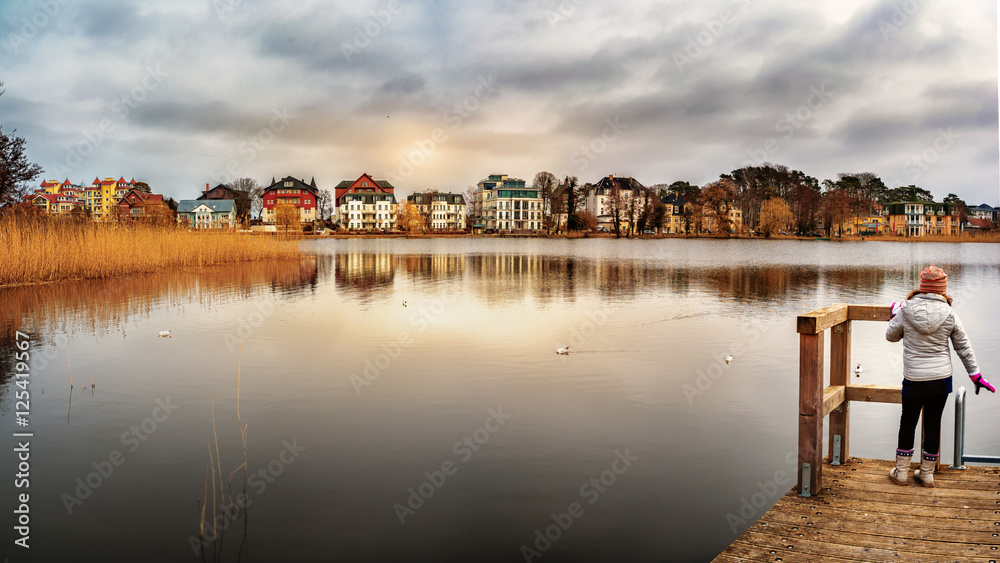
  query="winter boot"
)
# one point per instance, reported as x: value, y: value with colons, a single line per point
x: 925, y: 475
x: 898, y: 474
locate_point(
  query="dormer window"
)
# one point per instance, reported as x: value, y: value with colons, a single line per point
x: 288, y: 183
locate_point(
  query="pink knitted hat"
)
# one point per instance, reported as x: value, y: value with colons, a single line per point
x: 933, y: 280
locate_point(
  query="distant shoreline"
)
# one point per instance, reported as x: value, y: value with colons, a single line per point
x: 980, y: 238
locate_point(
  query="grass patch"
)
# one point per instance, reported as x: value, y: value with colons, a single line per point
x: 38, y: 250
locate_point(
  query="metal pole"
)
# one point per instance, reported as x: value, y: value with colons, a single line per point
x: 959, y: 430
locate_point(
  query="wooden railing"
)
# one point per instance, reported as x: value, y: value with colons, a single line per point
x: 817, y: 401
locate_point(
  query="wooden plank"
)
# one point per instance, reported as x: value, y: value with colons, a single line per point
x: 810, y: 408
x: 941, y: 480
x: 845, y: 549
x: 850, y: 495
x: 986, y: 475
x: 821, y: 319
x: 750, y: 552
x: 791, y: 524
x: 833, y: 397
x: 868, y: 312
x: 917, y: 493
x: 804, y: 513
x: 840, y: 374
x: 874, y: 393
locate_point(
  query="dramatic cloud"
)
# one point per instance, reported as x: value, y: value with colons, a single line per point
x: 441, y: 93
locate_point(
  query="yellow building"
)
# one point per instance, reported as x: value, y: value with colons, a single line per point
x: 103, y: 196
x: 57, y: 199
x: 864, y: 225
x: 709, y: 223
x: 920, y: 218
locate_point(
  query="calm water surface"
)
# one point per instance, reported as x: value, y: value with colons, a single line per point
x: 642, y: 442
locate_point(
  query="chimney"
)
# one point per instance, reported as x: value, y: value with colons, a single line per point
x: 206, y: 188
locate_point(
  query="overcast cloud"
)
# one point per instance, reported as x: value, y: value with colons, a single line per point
x: 439, y: 94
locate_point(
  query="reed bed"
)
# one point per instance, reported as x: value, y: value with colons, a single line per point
x: 36, y: 250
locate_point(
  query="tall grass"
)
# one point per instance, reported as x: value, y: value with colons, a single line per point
x: 34, y: 250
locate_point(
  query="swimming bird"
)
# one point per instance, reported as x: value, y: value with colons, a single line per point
x: 165, y: 333
x: 729, y: 359
x: 563, y: 351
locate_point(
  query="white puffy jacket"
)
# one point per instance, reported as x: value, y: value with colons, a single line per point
x: 926, y: 324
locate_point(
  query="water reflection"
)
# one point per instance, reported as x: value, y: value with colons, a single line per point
x: 648, y: 322
x: 104, y: 306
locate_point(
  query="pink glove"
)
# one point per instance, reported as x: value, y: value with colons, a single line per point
x: 981, y: 383
x: 896, y: 307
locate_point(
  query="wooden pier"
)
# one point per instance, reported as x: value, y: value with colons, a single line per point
x: 846, y: 509
x: 859, y: 515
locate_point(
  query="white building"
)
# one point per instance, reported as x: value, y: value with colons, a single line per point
x: 443, y: 211
x: 600, y: 200
x: 505, y: 204
x: 367, y: 211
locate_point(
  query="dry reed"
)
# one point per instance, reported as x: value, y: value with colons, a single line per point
x: 34, y: 250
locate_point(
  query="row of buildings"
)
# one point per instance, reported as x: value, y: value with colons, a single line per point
x: 103, y: 200
x: 499, y: 203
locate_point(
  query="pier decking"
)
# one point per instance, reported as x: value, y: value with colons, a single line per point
x: 857, y: 514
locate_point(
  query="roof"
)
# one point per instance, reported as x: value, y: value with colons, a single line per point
x: 345, y: 186
x: 450, y: 198
x: 216, y: 205
x: 981, y: 223
x: 204, y: 194
x: 300, y: 184
x: 368, y: 198
x: 609, y: 182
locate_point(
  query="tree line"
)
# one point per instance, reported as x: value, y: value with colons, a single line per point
x: 770, y: 198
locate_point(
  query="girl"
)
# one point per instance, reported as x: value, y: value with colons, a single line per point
x: 926, y: 322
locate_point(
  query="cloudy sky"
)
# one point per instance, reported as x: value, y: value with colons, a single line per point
x: 438, y: 94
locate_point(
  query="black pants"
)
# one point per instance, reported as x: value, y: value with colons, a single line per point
x: 933, y: 407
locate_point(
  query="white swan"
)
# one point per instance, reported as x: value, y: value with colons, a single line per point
x: 165, y: 333
x: 563, y: 351
x: 729, y: 359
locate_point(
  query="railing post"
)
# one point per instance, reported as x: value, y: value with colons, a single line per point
x: 959, y: 430
x: 810, y: 468
x: 840, y: 374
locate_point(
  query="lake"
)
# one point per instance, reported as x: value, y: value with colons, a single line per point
x: 403, y: 401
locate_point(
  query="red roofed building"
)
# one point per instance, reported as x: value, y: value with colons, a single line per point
x: 365, y: 203
x: 292, y: 191
x: 137, y: 205
x: 103, y: 197
x: 58, y: 199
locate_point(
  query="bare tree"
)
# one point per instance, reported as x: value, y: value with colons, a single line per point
x: 546, y: 184
x: 586, y: 221
x: 15, y: 170
x: 718, y: 198
x: 775, y: 215
x: 617, y: 200
x: 324, y: 204
x: 836, y: 209
x: 409, y: 219
x: 249, y: 198
x: 287, y: 217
